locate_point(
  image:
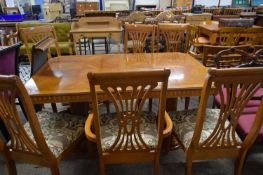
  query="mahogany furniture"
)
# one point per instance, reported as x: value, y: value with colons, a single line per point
x: 211, y: 30
x: 63, y: 79
x: 131, y: 134
x: 96, y: 27
x: 211, y: 133
x: 45, y: 139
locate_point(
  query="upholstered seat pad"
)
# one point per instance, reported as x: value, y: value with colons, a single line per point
x: 184, y: 125
x: 109, y: 130
x: 60, y: 130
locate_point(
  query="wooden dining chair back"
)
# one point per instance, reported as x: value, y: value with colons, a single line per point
x: 211, y: 133
x: 130, y: 134
x: 230, y: 36
x: 9, y: 66
x: 139, y: 38
x: 173, y: 36
x: 231, y: 57
x: 42, y: 139
x: 31, y: 35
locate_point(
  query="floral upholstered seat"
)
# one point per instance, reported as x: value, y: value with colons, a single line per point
x: 184, y: 125
x: 110, y: 127
x: 60, y: 130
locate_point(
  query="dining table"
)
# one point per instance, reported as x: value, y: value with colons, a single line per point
x: 64, y: 78
x: 211, y: 29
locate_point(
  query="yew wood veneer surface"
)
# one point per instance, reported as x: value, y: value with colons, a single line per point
x: 64, y: 78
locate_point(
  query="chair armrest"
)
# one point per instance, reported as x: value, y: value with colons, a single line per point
x: 10, y: 37
x: 168, y: 125
x: 88, y: 132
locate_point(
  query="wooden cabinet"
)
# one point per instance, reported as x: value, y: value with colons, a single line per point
x: 81, y: 7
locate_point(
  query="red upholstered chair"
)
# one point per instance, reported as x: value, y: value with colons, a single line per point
x: 248, y: 115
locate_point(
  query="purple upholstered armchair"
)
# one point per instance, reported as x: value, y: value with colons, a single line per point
x: 9, y: 59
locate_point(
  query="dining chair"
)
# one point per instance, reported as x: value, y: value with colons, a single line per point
x: 45, y: 139
x: 130, y: 134
x: 138, y: 37
x: 196, y: 42
x: 173, y: 37
x: 229, y: 59
x: 205, y: 133
x: 9, y: 66
x: 32, y: 35
x: 39, y: 58
x: 230, y: 36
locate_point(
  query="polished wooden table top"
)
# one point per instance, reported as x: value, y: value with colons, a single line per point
x: 64, y: 78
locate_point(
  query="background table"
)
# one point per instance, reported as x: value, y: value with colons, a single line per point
x: 64, y: 79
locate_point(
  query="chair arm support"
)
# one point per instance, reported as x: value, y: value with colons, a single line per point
x: 11, y: 36
x: 169, y: 125
x: 88, y: 132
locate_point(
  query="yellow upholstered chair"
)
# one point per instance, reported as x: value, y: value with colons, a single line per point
x: 32, y: 35
x: 205, y: 133
x: 45, y: 139
x: 130, y: 134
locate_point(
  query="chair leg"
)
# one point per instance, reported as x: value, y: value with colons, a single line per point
x: 187, y: 102
x: 188, y: 167
x: 156, y: 166
x: 55, y: 170
x: 102, y: 168
x: 10, y: 165
x: 240, y: 163
x: 54, y: 107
